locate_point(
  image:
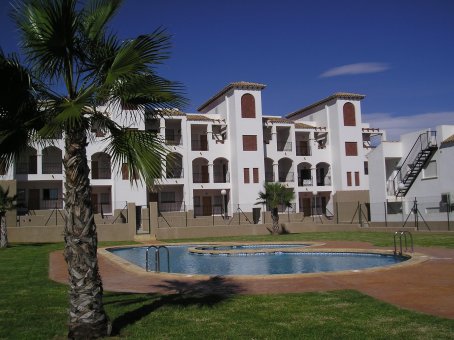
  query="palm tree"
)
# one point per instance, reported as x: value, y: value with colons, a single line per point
x: 275, y: 195
x: 7, y: 203
x: 92, y: 74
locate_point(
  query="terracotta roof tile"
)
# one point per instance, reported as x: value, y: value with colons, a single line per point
x: 278, y: 120
x: 198, y: 118
x: 304, y: 126
x: 236, y: 85
x: 337, y: 95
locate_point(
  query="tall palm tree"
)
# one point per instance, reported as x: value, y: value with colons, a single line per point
x: 275, y: 195
x: 93, y: 74
x: 7, y: 203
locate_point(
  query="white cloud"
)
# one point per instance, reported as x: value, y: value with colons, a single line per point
x: 398, y: 125
x: 359, y: 68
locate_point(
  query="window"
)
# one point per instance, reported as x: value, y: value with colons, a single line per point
x: 50, y: 194
x: 349, y: 179
x: 349, y: 114
x: 246, y: 175
x: 366, y: 167
x: 247, y: 106
x: 105, y: 198
x: 430, y: 171
x: 249, y: 143
x: 351, y: 149
x: 168, y: 197
x: 357, y: 178
x: 255, y: 175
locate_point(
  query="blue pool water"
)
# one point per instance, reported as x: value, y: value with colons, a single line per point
x: 184, y: 262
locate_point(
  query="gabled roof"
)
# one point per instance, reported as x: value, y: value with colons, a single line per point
x: 337, y: 95
x: 240, y: 85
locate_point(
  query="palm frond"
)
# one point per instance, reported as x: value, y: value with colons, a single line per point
x: 142, y: 151
x: 97, y: 14
x: 49, y: 34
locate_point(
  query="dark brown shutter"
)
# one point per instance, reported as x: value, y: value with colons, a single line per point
x: 349, y: 114
x: 247, y: 106
x: 349, y: 179
x: 249, y: 143
x: 246, y: 175
x: 255, y: 175
x: 351, y: 149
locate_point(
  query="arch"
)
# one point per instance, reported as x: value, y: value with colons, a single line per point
x: 174, y: 165
x: 27, y: 162
x: 247, y: 106
x: 285, y: 170
x: 269, y: 170
x: 100, y: 166
x: 200, y: 172
x: 304, y: 174
x: 52, y: 160
x: 221, y: 170
x: 349, y: 114
x: 323, y: 174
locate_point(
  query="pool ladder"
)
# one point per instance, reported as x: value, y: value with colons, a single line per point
x: 403, y: 234
x: 157, y: 258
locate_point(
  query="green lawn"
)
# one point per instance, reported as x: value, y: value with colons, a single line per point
x: 32, y: 307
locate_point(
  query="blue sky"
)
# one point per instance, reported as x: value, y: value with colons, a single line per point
x: 399, y: 53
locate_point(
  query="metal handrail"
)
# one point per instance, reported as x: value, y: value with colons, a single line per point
x: 157, y: 258
x: 414, y: 151
x: 402, y: 233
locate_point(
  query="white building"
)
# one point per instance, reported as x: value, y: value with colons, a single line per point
x: 220, y: 158
x: 419, y: 166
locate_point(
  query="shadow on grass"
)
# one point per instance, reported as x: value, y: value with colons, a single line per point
x: 206, y: 293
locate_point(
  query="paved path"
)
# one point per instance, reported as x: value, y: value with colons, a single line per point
x: 427, y: 286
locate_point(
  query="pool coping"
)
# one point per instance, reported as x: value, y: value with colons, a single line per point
x: 425, y: 286
x: 414, y: 259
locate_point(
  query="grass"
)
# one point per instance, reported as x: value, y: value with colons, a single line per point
x: 33, y: 307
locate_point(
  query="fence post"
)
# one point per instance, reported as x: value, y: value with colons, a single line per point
x: 185, y: 213
x: 337, y: 212
x: 359, y: 217
x: 239, y: 215
x: 448, y: 211
x: 386, y: 213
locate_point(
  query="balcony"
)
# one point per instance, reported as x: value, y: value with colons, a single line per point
x: 303, y: 149
x: 199, y: 144
x: 269, y: 176
x: 52, y: 168
x: 220, y: 177
x: 174, y: 173
x: 305, y: 182
x: 286, y: 177
x: 174, y: 140
x: 200, y: 177
x: 26, y: 168
x: 101, y: 172
x: 283, y: 145
x: 323, y: 182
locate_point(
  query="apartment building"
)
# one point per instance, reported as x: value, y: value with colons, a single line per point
x: 220, y: 157
x: 415, y: 169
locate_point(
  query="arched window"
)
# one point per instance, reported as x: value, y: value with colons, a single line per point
x: 349, y: 114
x: 247, y: 106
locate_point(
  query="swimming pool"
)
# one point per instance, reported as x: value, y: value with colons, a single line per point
x: 270, y: 262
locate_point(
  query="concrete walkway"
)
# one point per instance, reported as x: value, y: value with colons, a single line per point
x: 426, y: 286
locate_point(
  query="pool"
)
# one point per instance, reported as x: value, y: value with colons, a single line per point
x: 264, y: 260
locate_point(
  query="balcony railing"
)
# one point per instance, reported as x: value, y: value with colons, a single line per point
x: 200, y: 177
x: 303, y: 150
x: 325, y: 181
x: 304, y: 182
x: 101, y: 173
x: 174, y: 173
x: 52, y: 167
x: 174, y: 140
x: 24, y: 168
x: 284, y: 145
x: 199, y: 145
x: 220, y: 177
x: 286, y: 176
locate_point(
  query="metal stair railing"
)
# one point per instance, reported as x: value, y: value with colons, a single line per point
x: 403, y: 233
x: 421, y: 151
x: 157, y: 258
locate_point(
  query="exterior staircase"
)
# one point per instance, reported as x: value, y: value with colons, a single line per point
x: 418, y: 157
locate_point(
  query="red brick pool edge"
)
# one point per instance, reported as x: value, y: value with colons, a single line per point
x: 427, y: 286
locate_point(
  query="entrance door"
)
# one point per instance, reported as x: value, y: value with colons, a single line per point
x: 307, y: 206
x: 206, y: 205
x: 33, y: 199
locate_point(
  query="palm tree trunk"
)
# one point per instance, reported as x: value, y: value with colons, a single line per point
x: 87, y: 318
x: 275, y: 218
x: 3, y: 231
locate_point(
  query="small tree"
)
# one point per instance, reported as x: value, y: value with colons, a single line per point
x: 274, y: 195
x: 6, y: 203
